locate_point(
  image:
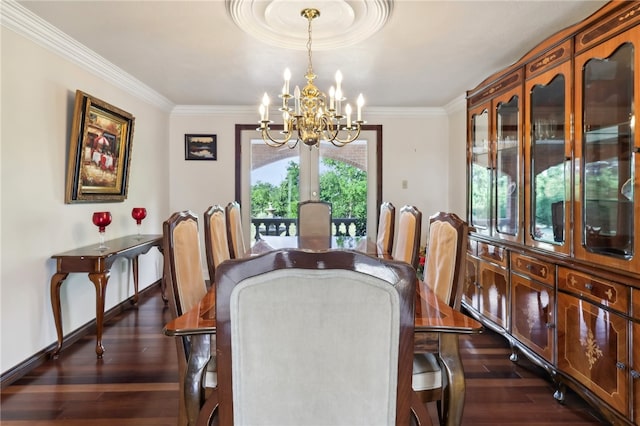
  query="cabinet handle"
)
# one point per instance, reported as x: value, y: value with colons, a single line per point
x: 588, y: 286
x: 637, y: 150
x: 529, y: 267
x: 550, y: 325
x: 635, y: 374
x: 620, y: 365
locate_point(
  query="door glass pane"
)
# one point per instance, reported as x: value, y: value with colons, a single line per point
x: 548, y: 178
x: 480, y: 176
x: 607, y: 171
x: 344, y: 183
x: 508, y: 132
x: 275, y: 182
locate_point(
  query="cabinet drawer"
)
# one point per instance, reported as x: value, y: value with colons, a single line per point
x: 608, y: 293
x: 537, y: 269
x: 493, y: 253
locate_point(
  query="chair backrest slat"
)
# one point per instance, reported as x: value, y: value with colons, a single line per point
x: 407, y: 246
x: 386, y: 228
x: 314, y: 224
x: 444, y: 266
x: 215, y: 238
x: 235, y: 234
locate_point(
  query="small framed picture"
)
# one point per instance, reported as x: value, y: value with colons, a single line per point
x: 99, y: 152
x: 200, y: 147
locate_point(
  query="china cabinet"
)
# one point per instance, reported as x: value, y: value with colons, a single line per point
x: 554, y: 207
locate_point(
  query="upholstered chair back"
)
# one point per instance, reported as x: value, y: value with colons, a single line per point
x: 183, y: 244
x: 386, y: 228
x: 407, y: 245
x: 443, y: 271
x: 215, y: 237
x: 314, y: 225
x: 337, y: 346
x: 235, y: 234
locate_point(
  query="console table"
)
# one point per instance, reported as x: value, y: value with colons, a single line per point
x: 97, y: 263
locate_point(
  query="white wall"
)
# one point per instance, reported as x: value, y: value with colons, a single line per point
x: 38, y: 89
x: 415, y: 148
x: 457, y: 113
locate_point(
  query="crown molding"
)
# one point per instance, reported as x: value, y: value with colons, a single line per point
x: 456, y: 104
x: 24, y: 22
x: 252, y: 110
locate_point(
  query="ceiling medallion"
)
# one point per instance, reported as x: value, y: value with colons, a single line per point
x: 277, y: 22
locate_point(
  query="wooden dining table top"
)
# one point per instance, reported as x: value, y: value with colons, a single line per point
x: 431, y: 315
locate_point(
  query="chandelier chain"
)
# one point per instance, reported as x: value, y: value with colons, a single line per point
x: 309, y: 66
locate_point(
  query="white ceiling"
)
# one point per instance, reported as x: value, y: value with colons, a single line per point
x: 428, y: 53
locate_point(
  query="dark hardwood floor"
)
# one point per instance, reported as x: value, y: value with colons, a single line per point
x: 136, y: 381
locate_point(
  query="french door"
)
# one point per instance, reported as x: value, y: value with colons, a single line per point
x: 271, y: 181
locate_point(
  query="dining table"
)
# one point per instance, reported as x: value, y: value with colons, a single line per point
x: 436, y: 329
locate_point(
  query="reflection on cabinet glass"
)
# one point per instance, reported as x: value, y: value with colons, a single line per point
x: 548, y: 172
x: 507, y: 170
x: 480, y: 176
x: 608, y: 149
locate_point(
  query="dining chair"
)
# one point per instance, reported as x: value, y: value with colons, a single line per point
x: 181, y: 243
x: 297, y: 345
x: 444, y: 274
x: 235, y: 234
x: 386, y: 228
x: 215, y: 238
x: 314, y: 224
x: 407, y: 246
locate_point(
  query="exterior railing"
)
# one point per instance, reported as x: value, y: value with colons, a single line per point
x: 275, y: 226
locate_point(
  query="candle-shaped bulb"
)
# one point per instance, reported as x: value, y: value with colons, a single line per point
x: 265, y: 102
x: 360, y: 104
x: 332, y: 98
x: 287, y: 77
x: 296, y: 96
x: 347, y: 109
x: 261, y: 109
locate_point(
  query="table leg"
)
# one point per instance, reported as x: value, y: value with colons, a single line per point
x: 134, y: 261
x: 193, y: 379
x: 453, y: 395
x: 100, y: 282
x: 56, y: 282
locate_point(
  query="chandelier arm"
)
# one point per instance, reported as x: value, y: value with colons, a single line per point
x: 349, y: 138
x: 272, y: 142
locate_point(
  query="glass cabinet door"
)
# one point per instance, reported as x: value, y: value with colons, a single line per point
x: 606, y: 87
x: 507, y: 166
x: 480, y: 172
x: 548, y: 159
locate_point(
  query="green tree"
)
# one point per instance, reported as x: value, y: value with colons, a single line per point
x: 346, y: 187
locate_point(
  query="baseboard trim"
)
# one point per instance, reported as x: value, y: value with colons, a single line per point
x: 39, y: 358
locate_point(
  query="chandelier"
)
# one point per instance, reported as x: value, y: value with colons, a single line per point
x: 312, y: 118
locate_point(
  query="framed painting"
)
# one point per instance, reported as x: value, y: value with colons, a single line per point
x: 200, y: 147
x: 99, y: 151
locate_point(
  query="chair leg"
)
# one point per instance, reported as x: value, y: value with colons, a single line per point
x: 419, y: 411
x: 209, y: 408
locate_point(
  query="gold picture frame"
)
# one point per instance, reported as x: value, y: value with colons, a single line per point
x: 99, y: 151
